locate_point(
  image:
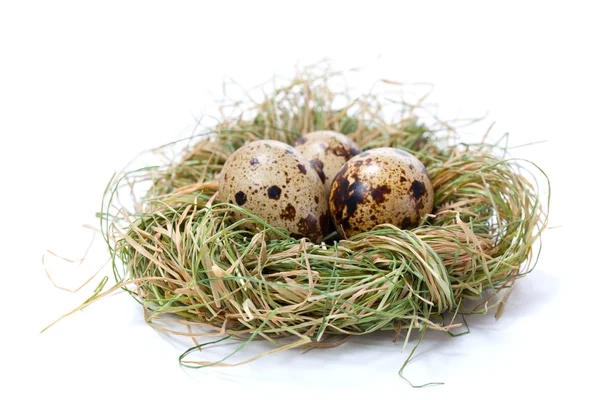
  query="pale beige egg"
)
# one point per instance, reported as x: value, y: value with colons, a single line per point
x: 274, y: 182
x: 327, y: 152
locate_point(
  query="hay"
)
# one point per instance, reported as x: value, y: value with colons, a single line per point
x: 179, y: 254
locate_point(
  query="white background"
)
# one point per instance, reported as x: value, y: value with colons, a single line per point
x: 85, y: 86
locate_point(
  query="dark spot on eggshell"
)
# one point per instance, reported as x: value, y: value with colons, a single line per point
x: 308, y: 227
x: 341, y: 151
x: 254, y: 161
x: 324, y: 222
x: 318, y: 166
x: 300, y: 140
x: 274, y: 192
x: 346, y: 197
x: 302, y: 168
x: 240, y: 198
x: 379, y: 193
x: 288, y: 213
x: 418, y: 189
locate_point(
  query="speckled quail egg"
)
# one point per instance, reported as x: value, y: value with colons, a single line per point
x: 274, y: 182
x: 327, y: 152
x: 384, y: 185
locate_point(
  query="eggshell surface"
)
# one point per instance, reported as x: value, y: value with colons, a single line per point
x: 274, y: 182
x: 327, y: 152
x: 384, y: 185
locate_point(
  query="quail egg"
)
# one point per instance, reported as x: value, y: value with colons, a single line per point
x: 274, y: 182
x: 383, y: 185
x: 327, y: 151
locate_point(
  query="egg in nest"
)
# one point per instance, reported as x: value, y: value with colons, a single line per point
x: 384, y: 185
x: 273, y: 181
x: 327, y: 152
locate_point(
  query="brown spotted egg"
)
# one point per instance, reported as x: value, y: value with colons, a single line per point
x: 274, y: 182
x: 327, y: 152
x: 384, y: 185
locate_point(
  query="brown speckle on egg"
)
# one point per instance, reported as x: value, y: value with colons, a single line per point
x: 274, y: 192
x: 379, y: 193
x: 382, y: 188
x: 418, y: 189
x: 240, y: 198
x: 289, y: 212
x: 308, y: 226
x: 318, y: 166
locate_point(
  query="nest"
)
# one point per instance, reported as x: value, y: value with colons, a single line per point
x: 179, y: 252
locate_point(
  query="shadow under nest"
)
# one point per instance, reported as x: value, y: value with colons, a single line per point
x: 179, y: 253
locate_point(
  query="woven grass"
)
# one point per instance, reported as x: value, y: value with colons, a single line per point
x: 180, y: 254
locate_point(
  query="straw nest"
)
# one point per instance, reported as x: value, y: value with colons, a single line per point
x: 178, y: 252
